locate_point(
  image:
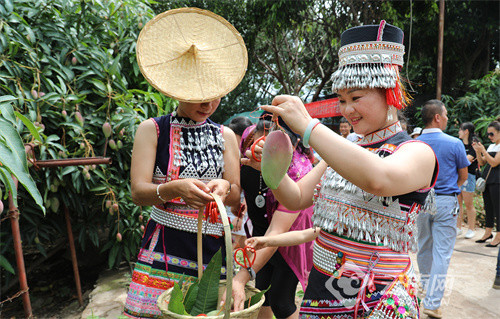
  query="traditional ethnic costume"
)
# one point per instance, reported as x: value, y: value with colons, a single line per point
x: 186, y: 149
x: 361, y: 263
x: 193, y: 56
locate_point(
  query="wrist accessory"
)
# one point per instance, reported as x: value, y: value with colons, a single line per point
x: 307, y: 133
x: 229, y: 190
x: 251, y: 272
x: 158, y: 192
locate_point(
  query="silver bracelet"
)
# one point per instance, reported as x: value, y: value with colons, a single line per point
x: 158, y: 192
x: 229, y: 190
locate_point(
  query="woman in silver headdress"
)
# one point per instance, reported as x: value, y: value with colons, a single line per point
x: 366, y: 196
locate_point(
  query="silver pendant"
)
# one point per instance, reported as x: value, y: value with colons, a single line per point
x: 260, y: 201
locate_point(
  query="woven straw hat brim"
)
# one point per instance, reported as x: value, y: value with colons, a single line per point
x: 191, y: 55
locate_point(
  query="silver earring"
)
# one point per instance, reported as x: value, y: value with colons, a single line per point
x: 390, y: 117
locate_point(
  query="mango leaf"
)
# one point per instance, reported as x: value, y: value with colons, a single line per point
x: 7, y: 110
x: 112, y: 255
x: 255, y: 298
x: 6, y: 179
x: 30, y: 126
x: 191, y: 295
x: 175, y: 304
x: 13, y: 141
x: 208, y: 291
x: 4, y: 263
x: 13, y: 158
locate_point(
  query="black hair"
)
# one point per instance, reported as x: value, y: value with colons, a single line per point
x: 430, y: 109
x: 344, y: 120
x: 239, y: 124
x: 265, y: 124
x: 495, y: 125
x: 469, y: 127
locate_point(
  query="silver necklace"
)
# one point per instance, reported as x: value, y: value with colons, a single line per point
x: 260, y: 200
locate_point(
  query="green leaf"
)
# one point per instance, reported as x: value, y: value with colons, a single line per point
x: 30, y: 126
x: 112, y: 255
x: 4, y: 263
x: 13, y: 158
x: 256, y: 298
x: 68, y: 170
x: 191, y: 295
x: 7, y: 98
x: 99, y: 85
x: 7, y: 111
x: 208, y: 291
x: 6, y: 179
x: 175, y: 304
x: 13, y: 142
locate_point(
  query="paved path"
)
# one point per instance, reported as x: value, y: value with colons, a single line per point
x: 469, y: 292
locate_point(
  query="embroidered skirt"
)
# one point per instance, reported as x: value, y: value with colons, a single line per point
x: 350, y: 279
x: 152, y: 276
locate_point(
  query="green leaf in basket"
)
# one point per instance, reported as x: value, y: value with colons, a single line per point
x: 181, y: 280
x: 175, y: 304
x: 191, y: 295
x: 255, y: 298
x: 208, y: 290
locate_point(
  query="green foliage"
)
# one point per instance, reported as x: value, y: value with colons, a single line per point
x: 201, y: 296
x: 480, y: 105
x: 69, y: 67
x: 208, y: 289
x: 293, y: 45
x: 256, y: 298
x: 13, y: 161
x: 190, y: 297
x: 175, y: 304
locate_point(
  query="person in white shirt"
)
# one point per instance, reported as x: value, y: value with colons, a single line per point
x: 345, y: 130
x: 491, y: 159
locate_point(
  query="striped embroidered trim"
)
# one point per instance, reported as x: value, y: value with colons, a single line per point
x: 144, y: 256
x: 356, y: 257
x: 184, y: 223
x: 381, y: 135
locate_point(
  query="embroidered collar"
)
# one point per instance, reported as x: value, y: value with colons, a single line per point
x: 431, y: 130
x: 183, y: 120
x: 381, y: 135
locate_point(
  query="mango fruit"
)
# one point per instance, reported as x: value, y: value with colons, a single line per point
x: 276, y: 158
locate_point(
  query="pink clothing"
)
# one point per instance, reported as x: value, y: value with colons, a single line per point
x: 299, y: 257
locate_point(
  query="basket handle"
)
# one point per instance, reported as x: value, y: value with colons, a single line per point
x: 229, y: 251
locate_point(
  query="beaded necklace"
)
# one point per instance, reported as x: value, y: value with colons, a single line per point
x: 260, y: 200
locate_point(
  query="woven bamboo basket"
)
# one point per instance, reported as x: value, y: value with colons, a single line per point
x: 248, y: 313
x: 224, y: 285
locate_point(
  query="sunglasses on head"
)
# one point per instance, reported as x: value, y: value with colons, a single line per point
x: 491, y: 134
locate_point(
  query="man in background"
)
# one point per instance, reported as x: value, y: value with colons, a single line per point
x: 437, y: 232
x: 345, y: 130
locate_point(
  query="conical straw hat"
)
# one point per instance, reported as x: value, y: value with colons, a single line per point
x: 191, y: 55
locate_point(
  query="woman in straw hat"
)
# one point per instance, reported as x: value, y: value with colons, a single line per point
x: 366, y: 196
x: 195, y: 57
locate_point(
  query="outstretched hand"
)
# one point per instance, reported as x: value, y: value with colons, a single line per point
x: 253, y: 160
x: 292, y: 110
x: 257, y: 242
